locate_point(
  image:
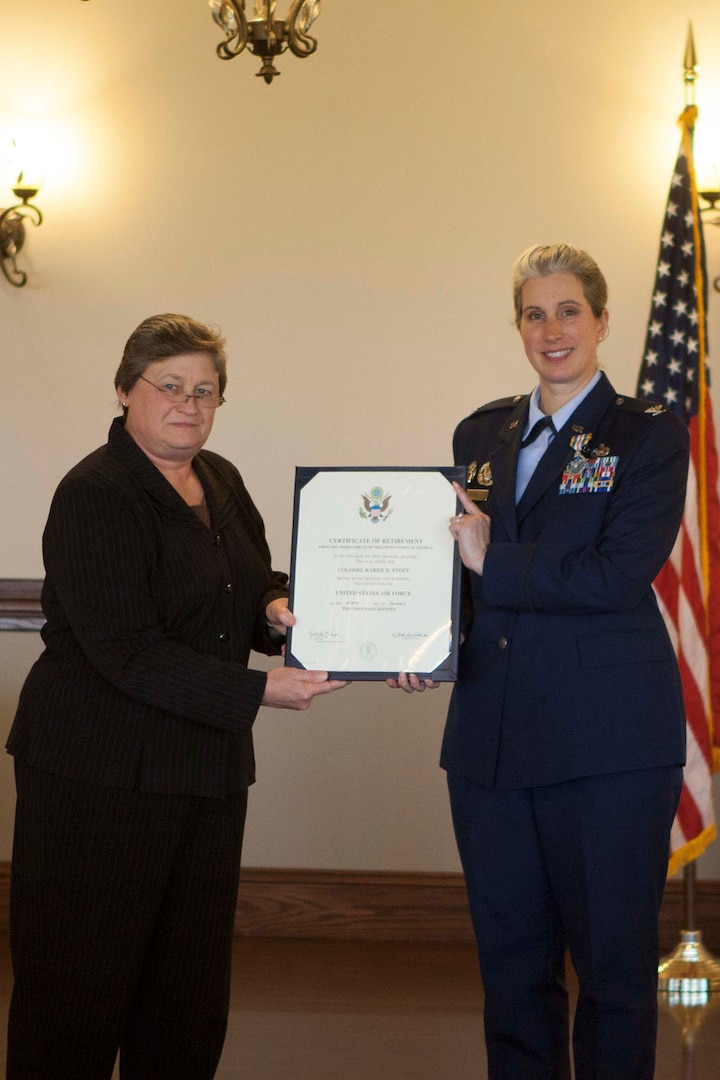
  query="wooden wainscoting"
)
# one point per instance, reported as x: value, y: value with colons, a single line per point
x: 385, y: 906
x: 370, y: 906
x: 361, y: 906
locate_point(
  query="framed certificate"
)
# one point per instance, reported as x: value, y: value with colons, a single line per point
x: 375, y: 574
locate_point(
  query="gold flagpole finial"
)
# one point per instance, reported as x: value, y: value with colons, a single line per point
x: 690, y: 66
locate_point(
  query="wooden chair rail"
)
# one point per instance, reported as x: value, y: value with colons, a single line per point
x: 20, y: 604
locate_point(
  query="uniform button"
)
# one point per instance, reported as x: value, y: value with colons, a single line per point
x: 223, y: 637
x: 502, y: 643
x: 228, y: 587
x: 217, y: 539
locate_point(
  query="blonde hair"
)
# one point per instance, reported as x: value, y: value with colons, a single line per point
x: 541, y: 260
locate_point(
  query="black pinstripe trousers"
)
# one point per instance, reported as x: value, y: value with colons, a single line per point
x: 121, y: 918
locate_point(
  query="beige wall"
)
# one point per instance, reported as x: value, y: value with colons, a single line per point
x: 351, y: 228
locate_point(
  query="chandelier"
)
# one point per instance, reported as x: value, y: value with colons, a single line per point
x: 263, y: 34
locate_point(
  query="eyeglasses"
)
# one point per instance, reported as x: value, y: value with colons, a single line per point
x: 206, y: 398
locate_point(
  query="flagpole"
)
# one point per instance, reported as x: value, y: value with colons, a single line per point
x: 690, y: 67
x: 690, y: 973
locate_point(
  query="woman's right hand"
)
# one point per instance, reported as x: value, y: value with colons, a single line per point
x: 471, y: 529
x: 294, y: 688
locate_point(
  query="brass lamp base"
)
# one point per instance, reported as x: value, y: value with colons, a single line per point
x: 690, y: 971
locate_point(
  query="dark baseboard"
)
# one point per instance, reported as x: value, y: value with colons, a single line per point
x: 381, y: 906
x: 364, y: 906
x: 384, y: 906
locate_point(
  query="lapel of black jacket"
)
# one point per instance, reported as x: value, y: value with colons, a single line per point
x: 550, y: 468
x: 503, y: 463
x: 172, y: 507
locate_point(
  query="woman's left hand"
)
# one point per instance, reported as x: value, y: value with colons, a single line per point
x: 471, y: 529
x: 411, y: 683
x: 278, y: 615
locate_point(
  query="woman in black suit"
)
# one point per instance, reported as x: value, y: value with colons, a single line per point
x: 132, y: 739
x: 565, y: 736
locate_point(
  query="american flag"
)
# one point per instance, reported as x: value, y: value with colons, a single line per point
x: 674, y: 373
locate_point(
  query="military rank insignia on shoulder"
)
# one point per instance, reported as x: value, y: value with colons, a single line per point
x: 638, y: 405
x: 501, y: 403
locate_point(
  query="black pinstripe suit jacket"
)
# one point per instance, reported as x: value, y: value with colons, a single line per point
x: 150, y: 621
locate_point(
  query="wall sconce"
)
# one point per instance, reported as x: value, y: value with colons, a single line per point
x: 710, y: 214
x: 711, y: 197
x: 707, y: 174
x: 265, y: 35
x: 12, y: 229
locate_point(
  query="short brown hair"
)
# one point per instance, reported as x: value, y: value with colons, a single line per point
x: 162, y: 336
x: 545, y: 259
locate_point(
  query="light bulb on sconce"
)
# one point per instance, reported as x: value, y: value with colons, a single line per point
x: 25, y: 182
x: 707, y: 173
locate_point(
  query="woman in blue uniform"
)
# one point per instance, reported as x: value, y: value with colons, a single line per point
x: 565, y: 736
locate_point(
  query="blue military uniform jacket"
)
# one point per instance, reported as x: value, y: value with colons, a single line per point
x: 567, y: 669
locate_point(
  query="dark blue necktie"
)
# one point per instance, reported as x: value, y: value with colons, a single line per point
x: 538, y: 427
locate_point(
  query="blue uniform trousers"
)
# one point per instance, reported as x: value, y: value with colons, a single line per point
x: 578, y: 865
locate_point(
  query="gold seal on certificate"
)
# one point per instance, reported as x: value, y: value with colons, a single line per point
x: 375, y: 574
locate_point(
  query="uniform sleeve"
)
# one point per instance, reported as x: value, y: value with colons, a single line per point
x: 100, y: 556
x: 614, y: 569
x: 467, y: 607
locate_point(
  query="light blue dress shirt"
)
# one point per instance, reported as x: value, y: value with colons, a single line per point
x: 529, y: 457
